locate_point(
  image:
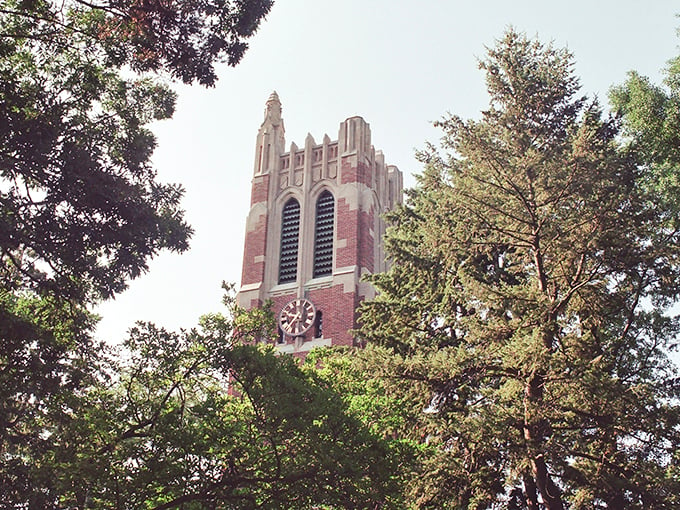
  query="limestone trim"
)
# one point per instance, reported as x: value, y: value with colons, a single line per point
x: 322, y: 282
x: 251, y: 286
x: 303, y: 346
x: 283, y: 289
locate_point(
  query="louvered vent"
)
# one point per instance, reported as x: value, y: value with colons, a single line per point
x: 290, y: 232
x: 323, y: 235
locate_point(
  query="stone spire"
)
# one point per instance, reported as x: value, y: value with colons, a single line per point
x: 272, y: 110
x: 270, y: 137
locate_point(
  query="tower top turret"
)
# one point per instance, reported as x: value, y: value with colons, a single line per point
x: 272, y: 110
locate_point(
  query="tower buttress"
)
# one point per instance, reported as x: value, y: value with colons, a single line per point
x: 269, y: 145
x: 270, y: 137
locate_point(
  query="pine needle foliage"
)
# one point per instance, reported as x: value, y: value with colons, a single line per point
x: 526, y: 314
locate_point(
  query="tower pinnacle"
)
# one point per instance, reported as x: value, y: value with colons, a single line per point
x: 274, y: 97
x: 272, y: 110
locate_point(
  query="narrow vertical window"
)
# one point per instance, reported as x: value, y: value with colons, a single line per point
x: 290, y: 233
x: 318, y: 325
x: 323, y: 235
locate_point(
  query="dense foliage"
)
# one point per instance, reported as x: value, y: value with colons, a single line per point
x: 81, y: 210
x: 651, y: 121
x: 526, y: 318
x: 207, y: 419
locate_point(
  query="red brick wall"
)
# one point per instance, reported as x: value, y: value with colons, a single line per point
x: 361, y: 173
x: 354, y: 226
x: 338, y: 309
x: 256, y: 239
x: 348, y: 229
x: 260, y: 189
x: 255, y: 244
x: 365, y: 254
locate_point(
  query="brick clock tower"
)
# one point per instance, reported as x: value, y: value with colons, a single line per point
x: 314, y: 228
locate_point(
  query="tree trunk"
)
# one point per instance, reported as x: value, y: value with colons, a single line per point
x: 530, y: 493
x: 534, y: 435
x: 552, y: 497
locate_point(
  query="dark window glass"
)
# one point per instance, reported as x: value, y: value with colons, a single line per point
x: 318, y: 325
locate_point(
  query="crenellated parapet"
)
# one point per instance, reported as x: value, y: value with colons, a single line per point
x: 348, y: 159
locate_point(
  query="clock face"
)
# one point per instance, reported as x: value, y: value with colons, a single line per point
x: 297, y: 317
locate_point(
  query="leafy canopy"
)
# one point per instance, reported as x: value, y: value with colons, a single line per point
x: 208, y: 419
x: 651, y: 123
x: 81, y: 209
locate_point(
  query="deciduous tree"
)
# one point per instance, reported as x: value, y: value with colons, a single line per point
x: 81, y: 209
x: 651, y: 121
x: 208, y: 419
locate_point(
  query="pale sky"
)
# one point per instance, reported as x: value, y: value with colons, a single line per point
x: 399, y: 64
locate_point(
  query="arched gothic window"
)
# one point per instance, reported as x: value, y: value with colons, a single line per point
x: 323, y: 235
x: 290, y: 234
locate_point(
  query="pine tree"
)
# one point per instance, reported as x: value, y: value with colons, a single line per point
x: 526, y: 313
